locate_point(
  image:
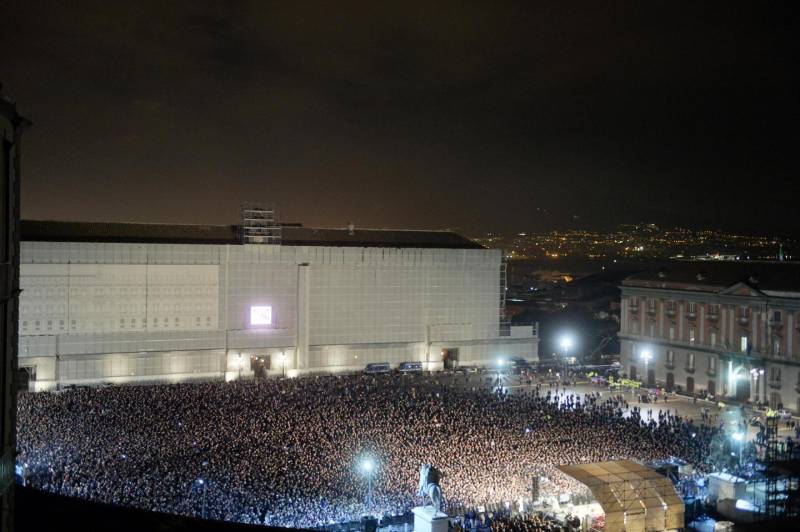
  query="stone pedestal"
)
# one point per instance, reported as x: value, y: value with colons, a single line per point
x: 427, y: 519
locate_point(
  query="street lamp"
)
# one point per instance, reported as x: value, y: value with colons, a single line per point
x: 756, y: 373
x: 368, y: 468
x: 739, y: 438
x: 202, y: 484
x: 646, y: 355
x: 566, y: 344
x: 282, y: 357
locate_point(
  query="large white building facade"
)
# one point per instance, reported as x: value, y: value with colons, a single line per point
x: 731, y: 329
x: 147, y: 302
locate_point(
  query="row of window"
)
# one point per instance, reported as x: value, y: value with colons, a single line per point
x: 745, y: 345
x: 712, y: 309
x: 670, y: 361
x: 110, y: 306
x: 774, y: 374
x: 124, y: 323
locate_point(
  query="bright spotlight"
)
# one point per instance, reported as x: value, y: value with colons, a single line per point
x: 566, y: 342
x: 367, y: 465
x: 738, y: 436
x: 646, y: 355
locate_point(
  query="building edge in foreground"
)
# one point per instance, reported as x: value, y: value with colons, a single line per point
x: 12, y: 127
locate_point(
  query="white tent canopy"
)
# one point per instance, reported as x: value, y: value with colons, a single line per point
x: 634, y: 497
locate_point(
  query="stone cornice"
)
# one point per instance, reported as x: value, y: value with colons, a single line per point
x: 710, y: 297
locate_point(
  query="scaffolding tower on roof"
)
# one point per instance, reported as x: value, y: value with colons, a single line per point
x: 260, y: 224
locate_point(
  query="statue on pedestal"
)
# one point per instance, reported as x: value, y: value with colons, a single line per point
x: 429, y: 485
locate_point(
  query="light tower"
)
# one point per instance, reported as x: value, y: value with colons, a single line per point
x: 646, y: 355
x: 566, y: 342
x: 368, y: 469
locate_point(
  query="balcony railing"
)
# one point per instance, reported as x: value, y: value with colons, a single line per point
x: 744, y: 320
x: 712, y: 317
x: 689, y: 369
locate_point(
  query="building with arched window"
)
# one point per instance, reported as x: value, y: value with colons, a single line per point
x: 731, y: 329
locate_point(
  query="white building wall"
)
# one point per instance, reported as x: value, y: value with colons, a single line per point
x: 130, y: 311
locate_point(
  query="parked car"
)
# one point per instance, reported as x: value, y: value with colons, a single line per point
x: 518, y: 365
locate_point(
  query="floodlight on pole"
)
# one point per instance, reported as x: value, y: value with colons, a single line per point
x: 566, y: 342
x: 646, y: 355
x: 202, y: 484
x: 368, y: 468
x: 739, y: 438
x: 756, y: 373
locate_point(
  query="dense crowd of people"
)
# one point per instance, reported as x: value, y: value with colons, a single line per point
x: 286, y: 452
x: 508, y: 522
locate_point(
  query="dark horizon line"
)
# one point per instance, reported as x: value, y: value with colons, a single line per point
x: 471, y: 233
x: 611, y: 228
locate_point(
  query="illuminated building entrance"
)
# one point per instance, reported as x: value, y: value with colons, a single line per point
x: 450, y: 358
x: 260, y: 365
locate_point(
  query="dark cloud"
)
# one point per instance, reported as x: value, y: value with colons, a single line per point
x: 425, y: 114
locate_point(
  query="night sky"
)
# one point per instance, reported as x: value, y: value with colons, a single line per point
x: 474, y: 116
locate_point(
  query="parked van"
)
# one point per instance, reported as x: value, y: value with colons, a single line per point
x: 378, y: 367
x: 410, y: 367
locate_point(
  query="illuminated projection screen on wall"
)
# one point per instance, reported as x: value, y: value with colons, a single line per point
x: 260, y: 315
